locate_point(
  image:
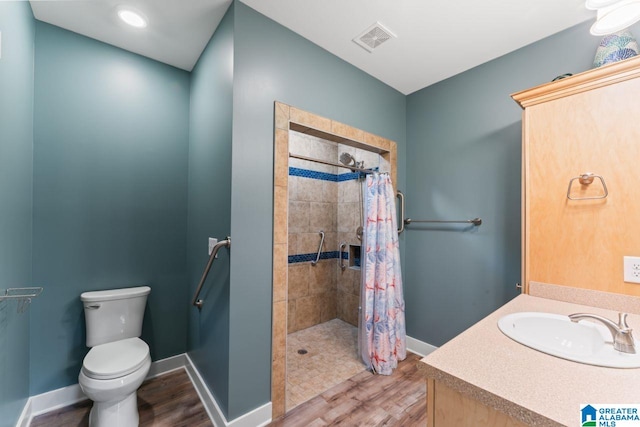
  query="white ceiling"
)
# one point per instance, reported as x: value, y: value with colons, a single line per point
x: 436, y: 39
x: 177, y: 33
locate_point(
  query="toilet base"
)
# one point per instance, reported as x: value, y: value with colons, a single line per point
x: 121, y: 413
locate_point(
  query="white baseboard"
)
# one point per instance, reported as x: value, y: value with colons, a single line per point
x: 258, y: 417
x: 65, y: 396
x: 163, y: 366
x: 25, y: 416
x: 55, y: 399
x: 418, y: 347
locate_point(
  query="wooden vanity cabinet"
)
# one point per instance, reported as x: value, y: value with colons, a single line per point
x: 586, y: 123
x: 448, y: 408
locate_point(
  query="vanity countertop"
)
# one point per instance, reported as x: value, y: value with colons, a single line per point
x: 530, y: 386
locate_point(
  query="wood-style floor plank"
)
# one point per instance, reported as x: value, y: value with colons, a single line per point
x: 367, y: 400
x: 397, y: 400
x: 165, y: 401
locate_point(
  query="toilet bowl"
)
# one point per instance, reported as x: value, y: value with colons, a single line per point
x: 118, y: 361
x: 111, y: 374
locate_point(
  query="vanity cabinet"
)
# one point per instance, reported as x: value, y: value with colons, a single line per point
x: 484, y: 378
x: 575, y: 233
x: 588, y: 123
x: 448, y: 408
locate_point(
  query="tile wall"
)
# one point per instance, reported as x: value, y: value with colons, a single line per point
x: 313, y: 206
x: 327, y: 198
x: 287, y: 119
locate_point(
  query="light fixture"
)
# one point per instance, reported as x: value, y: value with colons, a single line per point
x: 133, y: 18
x: 616, y: 17
x: 599, y: 4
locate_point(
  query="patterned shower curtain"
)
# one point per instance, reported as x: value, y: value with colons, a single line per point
x: 382, y: 325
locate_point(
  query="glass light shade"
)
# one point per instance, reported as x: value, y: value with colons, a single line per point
x: 599, y: 4
x: 132, y: 18
x: 616, y: 18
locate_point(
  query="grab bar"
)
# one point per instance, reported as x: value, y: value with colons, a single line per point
x: 319, y: 248
x: 342, y: 266
x: 199, y: 302
x: 400, y: 195
x: 474, y: 221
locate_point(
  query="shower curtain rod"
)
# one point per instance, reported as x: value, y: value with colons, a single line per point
x: 311, y: 159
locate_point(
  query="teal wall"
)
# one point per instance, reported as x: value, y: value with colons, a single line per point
x: 110, y: 195
x: 272, y: 63
x: 209, y: 211
x: 16, y: 152
x: 464, y: 155
x: 135, y: 164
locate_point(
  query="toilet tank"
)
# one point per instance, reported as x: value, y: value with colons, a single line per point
x: 115, y: 314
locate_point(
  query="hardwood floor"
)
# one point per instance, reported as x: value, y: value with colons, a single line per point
x: 367, y: 400
x: 165, y: 401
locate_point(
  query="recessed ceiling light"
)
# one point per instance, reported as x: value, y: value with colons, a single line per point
x: 135, y: 19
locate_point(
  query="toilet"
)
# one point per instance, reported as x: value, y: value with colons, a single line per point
x: 119, y: 360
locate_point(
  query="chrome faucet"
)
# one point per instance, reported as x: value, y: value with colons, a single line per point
x: 621, y: 333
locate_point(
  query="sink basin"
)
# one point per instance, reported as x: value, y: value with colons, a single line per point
x: 554, y: 334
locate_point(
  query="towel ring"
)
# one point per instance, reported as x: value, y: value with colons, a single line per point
x: 586, y: 179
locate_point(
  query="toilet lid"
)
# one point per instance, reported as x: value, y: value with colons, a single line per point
x: 115, y: 359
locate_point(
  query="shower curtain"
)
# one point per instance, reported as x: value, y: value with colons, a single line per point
x: 382, y: 323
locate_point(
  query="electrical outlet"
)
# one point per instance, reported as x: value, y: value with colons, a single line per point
x: 212, y: 243
x: 632, y: 269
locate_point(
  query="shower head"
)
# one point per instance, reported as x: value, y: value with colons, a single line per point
x: 347, y: 159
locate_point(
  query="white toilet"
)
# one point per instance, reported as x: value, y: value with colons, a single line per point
x: 118, y: 361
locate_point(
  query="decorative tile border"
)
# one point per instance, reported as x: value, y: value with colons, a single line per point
x: 325, y: 176
x: 293, y: 259
x: 351, y: 175
x: 306, y: 173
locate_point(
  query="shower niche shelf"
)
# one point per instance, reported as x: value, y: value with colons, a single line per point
x: 354, y: 257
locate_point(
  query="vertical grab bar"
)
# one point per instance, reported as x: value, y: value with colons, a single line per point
x: 199, y: 302
x: 319, y: 248
x: 400, y: 195
x: 342, y: 245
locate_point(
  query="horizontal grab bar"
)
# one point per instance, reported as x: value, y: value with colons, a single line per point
x: 474, y: 221
x: 407, y: 221
x: 199, y: 302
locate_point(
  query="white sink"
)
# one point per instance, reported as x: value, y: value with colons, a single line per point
x: 554, y: 334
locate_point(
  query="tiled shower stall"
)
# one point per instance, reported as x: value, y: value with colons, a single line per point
x: 328, y: 199
x: 324, y: 198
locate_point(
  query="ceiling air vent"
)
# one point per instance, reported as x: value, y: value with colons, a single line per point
x: 373, y: 37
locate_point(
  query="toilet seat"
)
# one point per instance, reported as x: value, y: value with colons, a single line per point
x: 115, y: 359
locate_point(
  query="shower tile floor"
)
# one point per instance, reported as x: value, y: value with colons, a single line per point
x: 331, y: 358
